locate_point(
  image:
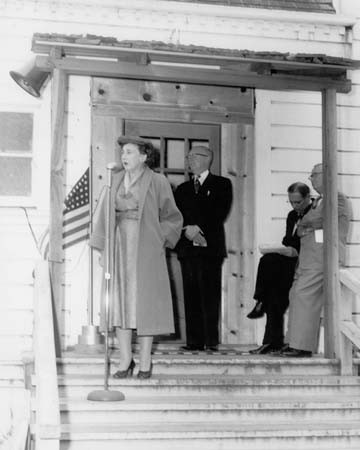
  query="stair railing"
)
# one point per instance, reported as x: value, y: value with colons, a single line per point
x: 349, y: 330
x: 47, y: 423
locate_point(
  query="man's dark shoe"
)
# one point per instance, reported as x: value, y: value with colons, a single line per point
x: 257, y: 312
x: 296, y: 353
x: 192, y: 348
x: 263, y: 350
x: 211, y: 348
x: 279, y: 350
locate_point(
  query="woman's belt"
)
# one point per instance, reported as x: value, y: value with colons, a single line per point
x: 132, y: 214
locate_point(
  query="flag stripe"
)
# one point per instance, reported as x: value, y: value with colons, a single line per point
x: 84, y: 227
x: 75, y: 241
x: 70, y: 226
x: 79, y: 216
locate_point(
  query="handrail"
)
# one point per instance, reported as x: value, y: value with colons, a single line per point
x: 349, y: 331
x: 47, y: 430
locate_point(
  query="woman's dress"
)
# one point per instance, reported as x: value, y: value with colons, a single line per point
x: 125, y: 262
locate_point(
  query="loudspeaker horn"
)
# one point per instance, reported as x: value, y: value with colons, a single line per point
x: 33, y: 79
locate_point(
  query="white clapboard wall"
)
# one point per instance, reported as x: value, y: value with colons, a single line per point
x: 287, y: 126
x: 289, y: 144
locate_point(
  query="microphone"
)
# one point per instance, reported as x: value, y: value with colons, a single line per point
x: 112, y: 168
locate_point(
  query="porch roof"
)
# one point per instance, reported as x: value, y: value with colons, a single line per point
x: 317, y: 6
x: 229, y: 66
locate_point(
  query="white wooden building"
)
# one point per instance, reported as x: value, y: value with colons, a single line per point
x: 267, y: 138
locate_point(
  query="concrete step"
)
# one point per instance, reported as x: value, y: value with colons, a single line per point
x: 78, y: 385
x: 209, y: 365
x: 191, y: 409
x: 222, y: 435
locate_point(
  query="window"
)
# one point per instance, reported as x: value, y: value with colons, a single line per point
x: 16, y: 154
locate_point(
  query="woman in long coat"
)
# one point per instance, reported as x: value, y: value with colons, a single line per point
x: 144, y: 220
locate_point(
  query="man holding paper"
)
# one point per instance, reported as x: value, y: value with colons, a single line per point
x: 306, y: 295
x: 276, y: 272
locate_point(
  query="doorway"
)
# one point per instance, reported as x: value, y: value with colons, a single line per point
x: 176, y: 117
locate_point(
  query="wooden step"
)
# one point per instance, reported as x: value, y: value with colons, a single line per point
x: 78, y: 385
x: 212, y: 436
x: 209, y: 365
x: 191, y: 409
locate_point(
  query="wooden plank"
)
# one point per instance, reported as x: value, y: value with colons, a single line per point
x: 288, y: 159
x: 280, y: 180
x: 351, y: 331
x: 16, y: 322
x: 355, y: 207
x: 57, y: 194
x: 201, y: 76
x: 57, y: 179
x: 151, y: 93
x: 295, y: 137
x: 182, y: 114
x: 353, y: 256
x: 354, y: 234
x: 331, y: 228
x: 350, y: 280
x: 303, y: 114
x: 47, y: 397
x: 346, y: 344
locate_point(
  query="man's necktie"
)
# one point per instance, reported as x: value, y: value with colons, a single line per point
x: 196, y: 183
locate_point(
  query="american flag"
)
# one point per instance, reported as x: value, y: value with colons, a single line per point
x: 76, y: 217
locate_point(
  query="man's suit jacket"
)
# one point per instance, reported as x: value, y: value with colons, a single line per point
x: 291, y: 239
x: 208, y: 209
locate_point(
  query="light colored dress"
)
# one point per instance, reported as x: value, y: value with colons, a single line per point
x: 126, y: 241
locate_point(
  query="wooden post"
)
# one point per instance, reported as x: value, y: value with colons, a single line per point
x: 331, y: 250
x: 57, y: 193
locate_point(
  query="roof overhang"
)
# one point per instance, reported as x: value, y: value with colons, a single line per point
x: 107, y: 57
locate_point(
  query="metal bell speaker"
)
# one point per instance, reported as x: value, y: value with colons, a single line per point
x: 33, y: 79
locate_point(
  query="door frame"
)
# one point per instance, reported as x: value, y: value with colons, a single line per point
x: 237, y: 163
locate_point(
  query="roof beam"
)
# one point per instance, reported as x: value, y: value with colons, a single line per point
x: 186, y: 74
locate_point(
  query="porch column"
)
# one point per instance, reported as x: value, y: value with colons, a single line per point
x: 331, y: 250
x: 57, y: 193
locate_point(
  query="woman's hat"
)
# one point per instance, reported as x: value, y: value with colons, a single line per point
x: 122, y: 140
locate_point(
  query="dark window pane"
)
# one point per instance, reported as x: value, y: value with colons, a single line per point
x: 16, y: 131
x: 15, y: 176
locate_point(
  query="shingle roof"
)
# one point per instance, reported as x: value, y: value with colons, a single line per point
x: 317, y: 6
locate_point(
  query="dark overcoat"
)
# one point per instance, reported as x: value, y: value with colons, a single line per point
x: 160, y: 223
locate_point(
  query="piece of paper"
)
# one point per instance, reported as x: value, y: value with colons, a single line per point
x: 277, y: 248
x: 319, y: 236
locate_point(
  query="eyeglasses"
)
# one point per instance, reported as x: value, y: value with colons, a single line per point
x: 195, y: 155
x: 312, y: 175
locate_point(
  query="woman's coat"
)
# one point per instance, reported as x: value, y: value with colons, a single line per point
x: 160, y: 224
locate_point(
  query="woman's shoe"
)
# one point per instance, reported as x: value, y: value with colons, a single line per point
x: 144, y: 374
x: 257, y: 312
x: 127, y: 372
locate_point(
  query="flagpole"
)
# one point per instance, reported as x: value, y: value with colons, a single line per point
x: 90, y: 340
x: 106, y: 395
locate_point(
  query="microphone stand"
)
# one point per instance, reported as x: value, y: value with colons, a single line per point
x: 106, y: 395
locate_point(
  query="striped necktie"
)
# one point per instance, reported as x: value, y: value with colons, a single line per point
x: 196, y: 183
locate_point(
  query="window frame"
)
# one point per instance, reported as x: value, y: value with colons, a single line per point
x: 23, y: 200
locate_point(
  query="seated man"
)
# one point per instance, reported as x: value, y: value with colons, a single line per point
x: 276, y: 272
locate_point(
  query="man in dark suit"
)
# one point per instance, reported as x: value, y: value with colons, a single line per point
x: 204, y: 202
x: 276, y: 273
